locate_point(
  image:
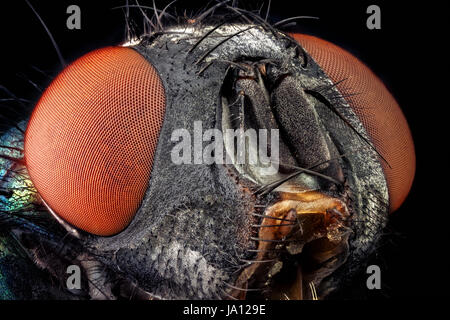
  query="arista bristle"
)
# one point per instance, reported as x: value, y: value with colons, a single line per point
x: 377, y: 109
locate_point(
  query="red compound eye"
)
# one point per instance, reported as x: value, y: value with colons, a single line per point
x: 91, y: 139
x: 377, y: 110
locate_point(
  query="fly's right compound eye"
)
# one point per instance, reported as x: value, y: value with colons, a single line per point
x: 376, y: 108
x: 91, y: 139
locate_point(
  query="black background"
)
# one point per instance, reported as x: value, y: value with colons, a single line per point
x: 407, y: 54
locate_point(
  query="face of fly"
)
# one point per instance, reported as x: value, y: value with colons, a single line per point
x: 231, y: 229
x: 217, y: 158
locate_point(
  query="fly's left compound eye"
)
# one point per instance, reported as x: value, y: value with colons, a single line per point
x: 91, y: 140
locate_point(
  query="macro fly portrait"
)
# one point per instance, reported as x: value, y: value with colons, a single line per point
x: 212, y: 154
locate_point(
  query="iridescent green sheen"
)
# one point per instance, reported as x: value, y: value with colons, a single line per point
x: 16, y: 193
x: 16, y: 188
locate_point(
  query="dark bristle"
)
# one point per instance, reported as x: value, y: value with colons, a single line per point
x: 222, y: 42
x: 55, y: 45
x: 240, y: 289
x: 327, y: 103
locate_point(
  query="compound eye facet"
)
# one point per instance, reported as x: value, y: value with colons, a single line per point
x: 91, y: 139
x: 376, y: 108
